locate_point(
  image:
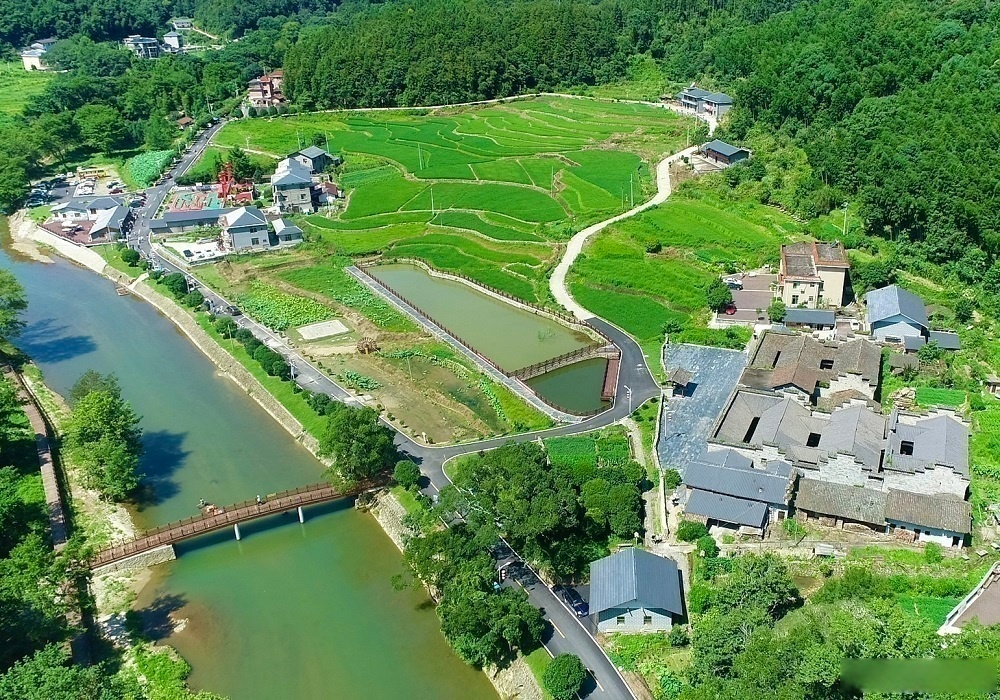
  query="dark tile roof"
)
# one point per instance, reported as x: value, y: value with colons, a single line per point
x: 841, y: 501
x: 942, y: 512
x: 946, y: 340
x: 937, y: 441
x: 730, y: 473
x: 634, y: 578
x: 793, y: 359
x: 680, y: 376
x: 723, y: 148
x: 726, y: 509
x: 892, y: 300
x: 815, y: 317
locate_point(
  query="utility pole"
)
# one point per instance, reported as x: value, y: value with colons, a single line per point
x: 420, y: 158
x: 432, y: 201
x: 845, y: 220
x: 298, y: 137
x: 631, y: 196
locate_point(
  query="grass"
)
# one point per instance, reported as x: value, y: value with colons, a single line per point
x: 112, y: 254
x: 538, y: 661
x: 933, y: 396
x: 931, y: 608
x: 296, y: 404
x: 40, y: 214
x: 407, y: 500
x: 20, y: 86
x: 649, y: 655
x: 984, y: 458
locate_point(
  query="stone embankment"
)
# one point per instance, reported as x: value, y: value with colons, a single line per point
x: 140, y: 561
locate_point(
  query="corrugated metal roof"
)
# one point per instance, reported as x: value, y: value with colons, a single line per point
x: 946, y: 340
x: 634, y: 578
x: 892, y: 300
x: 841, y: 501
x: 726, y: 509
x: 722, y: 148
x: 811, y: 316
x: 206, y: 215
x: 941, y: 512
x: 313, y: 152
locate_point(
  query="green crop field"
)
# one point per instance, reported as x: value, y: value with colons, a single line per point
x: 19, y: 86
x: 695, y: 237
x: 451, y: 188
x: 933, y: 396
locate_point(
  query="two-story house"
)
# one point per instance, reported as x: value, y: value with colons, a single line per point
x: 245, y: 229
x: 291, y: 185
x: 812, y: 275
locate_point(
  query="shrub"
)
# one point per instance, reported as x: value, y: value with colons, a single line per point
x: 226, y: 327
x: 156, y: 275
x: 130, y: 257
x: 193, y: 299
x: 932, y: 553
x: 678, y: 636
x: 406, y: 473
x: 689, y: 531
x: 564, y: 677
x: 707, y: 546
x: 671, y: 479
x: 976, y: 402
x: 699, y: 598
x: 176, y: 283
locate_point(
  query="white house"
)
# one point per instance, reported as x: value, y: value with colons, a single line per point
x: 635, y: 591
x: 291, y: 184
x: 245, y: 229
x: 894, y: 314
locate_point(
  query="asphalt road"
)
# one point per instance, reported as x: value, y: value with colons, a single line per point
x: 567, y: 635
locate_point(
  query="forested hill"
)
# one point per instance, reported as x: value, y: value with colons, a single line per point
x: 22, y: 22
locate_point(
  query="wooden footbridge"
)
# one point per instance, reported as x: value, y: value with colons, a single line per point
x: 531, y: 371
x: 214, y: 518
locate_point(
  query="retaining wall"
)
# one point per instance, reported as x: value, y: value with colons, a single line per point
x: 146, y: 559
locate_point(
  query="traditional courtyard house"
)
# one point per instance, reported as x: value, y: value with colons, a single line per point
x: 635, y: 591
x: 812, y: 275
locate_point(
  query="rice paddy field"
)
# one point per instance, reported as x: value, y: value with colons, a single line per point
x: 19, y: 86
x: 486, y: 192
x: 652, y: 269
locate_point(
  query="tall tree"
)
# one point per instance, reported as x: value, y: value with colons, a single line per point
x: 359, y: 443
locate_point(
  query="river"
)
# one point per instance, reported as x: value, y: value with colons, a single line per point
x: 291, y: 611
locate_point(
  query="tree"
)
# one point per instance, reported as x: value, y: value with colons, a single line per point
x: 360, y: 445
x: 176, y: 284
x: 564, y: 676
x: 406, y: 473
x: 243, y: 168
x: 718, y: 295
x: 964, y: 309
x: 105, y: 439
x: 193, y: 299
x: 707, y: 546
x: 130, y: 257
x: 671, y: 479
x: 929, y: 353
x: 776, y: 310
x: 14, y: 183
x: 101, y: 127
x: 12, y: 302
x: 91, y: 381
x: 159, y: 133
x: 491, y: 628
x: 226, y: 327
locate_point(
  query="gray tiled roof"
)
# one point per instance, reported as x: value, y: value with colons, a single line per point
x: 941, y: 440
x: 633, y: 578
x: 892, y: 300
x: 695, y: 92
x: 722, y: 148
x: 737, y: 478
x: 811, y: 316
x: 726, y: 509
x: 204, y: 215
x: 913, y: 343
x: 841, y: 501
x: 313, y: 152
x: 245, y: 216
x: 783, y: 359
x: 858, y: 431
x: 946, y: 340
x: 942, y: 512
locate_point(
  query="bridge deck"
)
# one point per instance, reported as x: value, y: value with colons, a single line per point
x: 181, y: 530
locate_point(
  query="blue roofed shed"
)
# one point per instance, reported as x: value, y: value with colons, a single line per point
x: 635, y: 591
x: 894, y: 314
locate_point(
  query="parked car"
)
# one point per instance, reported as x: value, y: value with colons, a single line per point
x: 233, y: 311
x: 733, y: 283
x: 187, y: 253
x: 731, y: 309
x: 575, y: 601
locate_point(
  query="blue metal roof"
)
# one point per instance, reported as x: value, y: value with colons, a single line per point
x: 634, y: 578
x: 892, y: 301
x: 726, y: 509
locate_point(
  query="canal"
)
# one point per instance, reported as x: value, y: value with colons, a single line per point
x: 296, y: 611
x: 511, y: 337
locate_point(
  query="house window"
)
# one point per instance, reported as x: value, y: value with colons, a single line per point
x: 620, y: 620
x: 647, y: 620
x: 254, y: 241
x: 826, y: 364
x: 812, y: 440
x: 906, y: 447
x: 795, y: 299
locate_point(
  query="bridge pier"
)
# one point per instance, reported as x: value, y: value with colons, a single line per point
x: 236, y: 529
x: 302, y: 517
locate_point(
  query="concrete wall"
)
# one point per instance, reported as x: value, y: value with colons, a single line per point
x: 806, y: 293
x: 941, y: 537
x: 140, y: 561
x: 607, y: 621
x: 929, y: 482
x: 896, y: 326
x: 833, y: 285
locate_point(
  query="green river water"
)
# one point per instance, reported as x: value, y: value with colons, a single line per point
x: 291, y: 611
x: 510, y: 336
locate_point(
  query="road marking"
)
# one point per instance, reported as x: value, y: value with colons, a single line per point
x: 556, y: 628
x: 598, y: 682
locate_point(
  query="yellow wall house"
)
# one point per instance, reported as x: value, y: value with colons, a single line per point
x: 812, y: 275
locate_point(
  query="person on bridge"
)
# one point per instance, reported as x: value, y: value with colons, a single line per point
x: 259, y: 501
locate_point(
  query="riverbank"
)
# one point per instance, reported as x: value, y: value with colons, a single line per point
x: 515, y: 681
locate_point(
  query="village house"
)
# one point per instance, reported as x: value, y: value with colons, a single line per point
x: 265, y: 91
x: 812, y: 275
x: 32, y: 58
x: 142, y: 46
x: 186, y: 221
x: 635, y: 591
x: 286, y: 232
x: 83, y: 209
x: 179, y: 23
x: 245, y: 229
x: 111, y: 224
x: 291, y: 185
x: 704, y: 101
x: 723, y: 153
x: 173, y: 41
x: 724, y: 489
x: 898, y: 316
x: 315, y: 159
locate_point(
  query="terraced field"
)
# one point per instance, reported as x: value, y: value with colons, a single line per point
x: 487, y: 192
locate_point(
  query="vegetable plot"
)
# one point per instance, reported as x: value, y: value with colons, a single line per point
x: 278, y: 310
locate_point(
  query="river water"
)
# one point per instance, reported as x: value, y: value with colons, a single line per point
x: 510, y: 336
x: 291, y: 611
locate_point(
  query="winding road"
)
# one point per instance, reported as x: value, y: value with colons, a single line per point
x: 636, y: 385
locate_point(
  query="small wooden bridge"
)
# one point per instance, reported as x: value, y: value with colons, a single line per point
x: 539, y: 368
x: 219, y: 518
